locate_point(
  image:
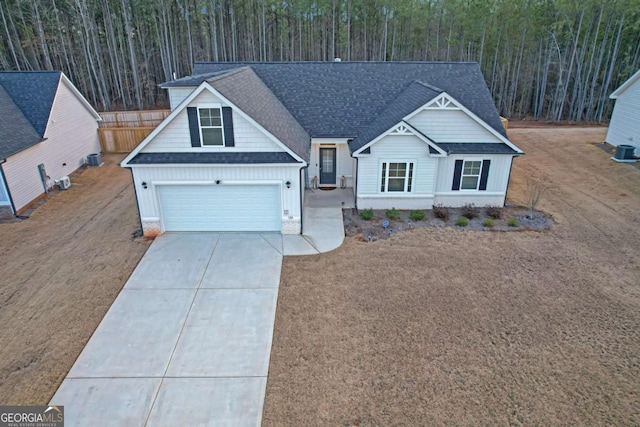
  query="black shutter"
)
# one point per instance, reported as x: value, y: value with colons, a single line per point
x: 484, y: 175
x: 194, y: 128
x: 457, y: 175
x: 227, y: 121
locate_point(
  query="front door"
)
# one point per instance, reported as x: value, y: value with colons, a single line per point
x: 327, y: 166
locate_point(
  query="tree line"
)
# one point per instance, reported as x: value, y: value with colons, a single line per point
x: 542, y: 59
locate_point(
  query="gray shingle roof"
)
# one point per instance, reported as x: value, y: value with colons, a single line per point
x: 226, y: 157
x: 16, y: 133
x: 245, y: 89
x: 26, y: 100
x: 343, y: 99
x: 476, y: 148
x: 33, y: 92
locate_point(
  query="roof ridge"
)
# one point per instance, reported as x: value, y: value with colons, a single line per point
x: 336, y: 62
x: 227, y: 73
x: 429, y: 86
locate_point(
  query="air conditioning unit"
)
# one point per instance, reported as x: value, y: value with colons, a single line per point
x: 65, y: 183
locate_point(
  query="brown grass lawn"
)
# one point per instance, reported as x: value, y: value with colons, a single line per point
x: 60, y: 270
x: 450, y: 327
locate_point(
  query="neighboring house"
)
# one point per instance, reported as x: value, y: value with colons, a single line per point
x: 245, y: 139
x: 624, y: 127
x: 46, y: 132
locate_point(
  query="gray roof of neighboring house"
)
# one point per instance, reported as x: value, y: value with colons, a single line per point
x: 476, y: 148
x: 344, y: 99
x: 16, y: 133
x: 27, y: 98
x: 227, y: 157
x: 245, y: 89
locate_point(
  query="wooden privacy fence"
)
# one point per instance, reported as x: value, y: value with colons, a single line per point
x: 122, y: 131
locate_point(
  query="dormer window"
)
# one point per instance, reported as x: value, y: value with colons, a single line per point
x: 210, y: 120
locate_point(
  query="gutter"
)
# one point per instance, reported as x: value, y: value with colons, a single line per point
x: 302, y: 188
x: 6, y: 186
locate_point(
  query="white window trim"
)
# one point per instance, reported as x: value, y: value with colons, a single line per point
x: 406, y: 177
x: 211, y: 105
x: 462, y: 175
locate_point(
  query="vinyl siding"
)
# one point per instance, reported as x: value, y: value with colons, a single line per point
x: 451, y: 126
x: 70, y: 136
x: 400, y: 148
x: 175, y: 136
x: 147, y: 198
x: 177, y: 95
x: 625, y: 122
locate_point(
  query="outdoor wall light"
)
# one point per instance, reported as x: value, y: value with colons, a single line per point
x: 144, y: 184
x: 217, y: 182
x: 288, y: 184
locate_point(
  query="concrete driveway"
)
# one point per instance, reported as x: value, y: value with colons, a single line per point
x: 188, y: 339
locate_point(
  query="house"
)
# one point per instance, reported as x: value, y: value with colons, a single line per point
x: 46, y: 132
x: 624, y: 127
x: 244, y: 140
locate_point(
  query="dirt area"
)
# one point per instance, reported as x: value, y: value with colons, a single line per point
x: 443, y: 326
x: 61, y: 270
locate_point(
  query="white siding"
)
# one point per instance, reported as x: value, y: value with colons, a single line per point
x: 71, y: 135
x: 233, y: 174
x: 401, y: 148
x: 344, y: 161
x: 624, y: 127
x: 451, y: 126
x: 177, y: 95
x: 175, y: 136
x: 496, y: 184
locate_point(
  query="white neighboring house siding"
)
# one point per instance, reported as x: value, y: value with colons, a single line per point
x: 175, y: 136
x: 177, y: 95
x: 344, y: 162
x: 400, y: 148
x: 227, y: 175
x: 624, y: 127
x: 71, y: 135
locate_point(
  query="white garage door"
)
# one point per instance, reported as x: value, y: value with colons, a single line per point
x: 220, y: 207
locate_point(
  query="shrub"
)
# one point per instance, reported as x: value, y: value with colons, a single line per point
x: 462, y: 221
x: 441, y: 212
x: 494, y: 212
x: 366, y: 214
x: 469, y: 211
x: 392, y: 213
x: 416, y: 215
x: 513, y: 222
x: 488, y: 222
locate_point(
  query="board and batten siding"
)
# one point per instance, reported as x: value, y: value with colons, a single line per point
x: 177, y: 95
x: 624, y: 127
x: 402, y: 148
x: 497, y: 182
x: 175, y: 136
x: 227, y: 175
x: 450, y: 126
x: 344, y: 161
x: 71, y: 135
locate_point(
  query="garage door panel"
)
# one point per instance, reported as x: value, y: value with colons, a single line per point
x: 220, y: 207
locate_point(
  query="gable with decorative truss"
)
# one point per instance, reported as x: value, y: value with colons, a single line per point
x: 401, y: 129
x: 404, y: 129
x: 442, y: 102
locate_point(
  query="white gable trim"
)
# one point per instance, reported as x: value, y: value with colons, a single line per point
x: 403, y: 128
x: 204, y: 86
x: 626, y: 85
x: 464, y: 109
x: 441, y: 102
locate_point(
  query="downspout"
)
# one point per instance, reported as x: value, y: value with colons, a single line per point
x: 135, y: 192
x: 6, y: 187
x: 509, y: 179
x: 302, y: 188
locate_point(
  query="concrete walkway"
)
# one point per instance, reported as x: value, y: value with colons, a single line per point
x: 187, y: 341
